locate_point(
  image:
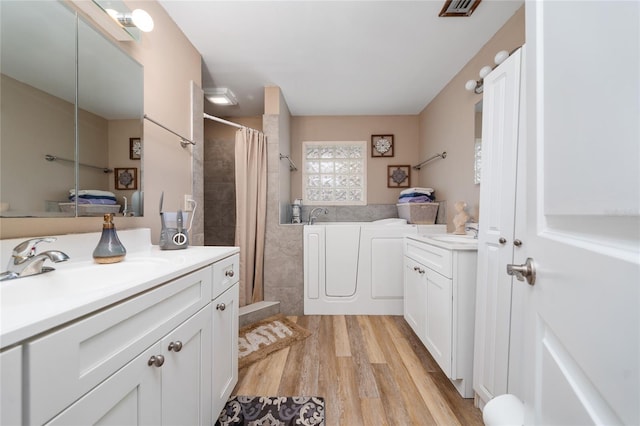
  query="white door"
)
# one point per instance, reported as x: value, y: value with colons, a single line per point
x: 500, y: 127
x: 583, y: 210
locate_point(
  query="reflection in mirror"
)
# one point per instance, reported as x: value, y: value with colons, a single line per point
x: 37, y: 106
x: 38, y: 96
x: 477, y: 147
x: 110, y: 110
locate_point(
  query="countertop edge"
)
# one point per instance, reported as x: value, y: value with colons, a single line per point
x: 22, y: 331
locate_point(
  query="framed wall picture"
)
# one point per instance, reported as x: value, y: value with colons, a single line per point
x: 382, y: 145
x: 135, y: 148
x: 398, y: 176
x: 126, y: 178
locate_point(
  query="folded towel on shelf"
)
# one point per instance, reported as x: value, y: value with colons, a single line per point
x: 416, y: 199
x: 425, y: 191
x: 91, y: 192
x: 102, y: 201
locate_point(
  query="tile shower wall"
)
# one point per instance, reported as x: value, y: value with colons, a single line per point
x: 219, y: 191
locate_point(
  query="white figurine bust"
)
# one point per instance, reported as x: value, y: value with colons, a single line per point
x: 461, y: 217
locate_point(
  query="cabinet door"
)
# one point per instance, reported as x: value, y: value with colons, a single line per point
x: 186, y: 373
x: 225, y: 347
x: 131, y: 396
x: 439, y: 321
x: 415, y: 296
x: 11, y: 386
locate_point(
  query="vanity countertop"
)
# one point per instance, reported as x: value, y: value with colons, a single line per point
x: 447, y: 241
x: 32, y: 305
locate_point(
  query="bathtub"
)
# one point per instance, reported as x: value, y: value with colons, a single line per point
x: 356, y: 268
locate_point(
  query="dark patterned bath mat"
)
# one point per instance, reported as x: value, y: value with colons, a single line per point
x: 272, y: 411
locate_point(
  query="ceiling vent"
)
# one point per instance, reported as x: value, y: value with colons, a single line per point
x: 459, y: 7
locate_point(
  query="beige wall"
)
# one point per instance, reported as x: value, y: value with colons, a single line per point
x: 119, y: 133
x: 24, y: 147
x: 359, y: 128
x: 447, y: 124
x: 170, y: 64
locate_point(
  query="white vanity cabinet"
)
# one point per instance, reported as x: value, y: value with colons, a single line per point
x: 170, y: 325
x: 439, y: 303
x: 129, y: 343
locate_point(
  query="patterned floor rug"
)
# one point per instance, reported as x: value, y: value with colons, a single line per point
x: 272, y: 411
x: 258, y: 340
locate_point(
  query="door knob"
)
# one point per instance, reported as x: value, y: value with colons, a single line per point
x: 502, y: 240
x: 525, y: 271
x: 221, y: 306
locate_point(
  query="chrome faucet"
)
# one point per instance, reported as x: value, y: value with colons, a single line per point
x: 474, y: 229
x: 313, y: 218
x: 25, y: 262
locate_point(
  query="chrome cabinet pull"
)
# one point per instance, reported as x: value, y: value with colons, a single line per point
x: 175, y: 346
x: 418, y: 270
x: 525, y: 271
x: 156, y: 361
x: 517, y: 243
x: 221, y: 306
x: 229, y: 273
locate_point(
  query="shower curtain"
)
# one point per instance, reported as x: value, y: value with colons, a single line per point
x: 251, y: 211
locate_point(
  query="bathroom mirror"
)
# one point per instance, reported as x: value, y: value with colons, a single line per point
x: 477, y: 145
x: 67, y: 92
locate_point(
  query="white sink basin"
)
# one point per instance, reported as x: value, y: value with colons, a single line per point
x: 452, y: 238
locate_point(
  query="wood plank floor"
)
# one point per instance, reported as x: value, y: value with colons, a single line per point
x: 371, y: 370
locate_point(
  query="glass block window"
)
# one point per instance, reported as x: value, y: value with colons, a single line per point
x: 335, y: 173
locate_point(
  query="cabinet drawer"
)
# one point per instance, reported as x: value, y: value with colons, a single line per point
x: 434, y: 258
x: 67, y: 363
x: 226, y: 272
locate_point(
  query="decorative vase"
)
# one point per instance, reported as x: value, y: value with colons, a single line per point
x: 109, y: 249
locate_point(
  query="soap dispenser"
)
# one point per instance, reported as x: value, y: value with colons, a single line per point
x: 109, y: 249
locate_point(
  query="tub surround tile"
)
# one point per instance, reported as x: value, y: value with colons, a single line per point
x: 290, y: 298
x: 366, y: 213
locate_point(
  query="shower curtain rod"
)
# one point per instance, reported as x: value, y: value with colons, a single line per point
x: 228, y: 123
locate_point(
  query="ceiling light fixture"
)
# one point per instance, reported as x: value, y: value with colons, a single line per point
x: 221, y: 96
x: 478, y: 86
x: 138, y: 18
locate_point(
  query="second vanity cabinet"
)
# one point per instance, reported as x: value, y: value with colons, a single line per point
x: 164, y: 357
x: 439, y: 303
